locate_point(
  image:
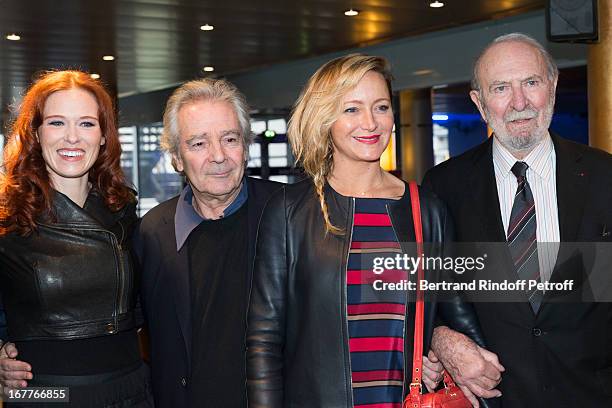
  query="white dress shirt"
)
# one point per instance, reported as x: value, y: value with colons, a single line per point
x: 542, y: 179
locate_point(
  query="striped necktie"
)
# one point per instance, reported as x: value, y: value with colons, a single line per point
x: 522, y: 235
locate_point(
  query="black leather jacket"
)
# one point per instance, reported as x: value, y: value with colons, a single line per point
x: 71, y: 278
x: 297, y: 337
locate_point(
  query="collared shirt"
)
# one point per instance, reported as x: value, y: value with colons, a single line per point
x: 542, y: 179
x: 186, y: 218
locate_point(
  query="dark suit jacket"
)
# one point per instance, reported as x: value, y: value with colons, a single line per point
x: 166, y: 296
x: 561, y: 357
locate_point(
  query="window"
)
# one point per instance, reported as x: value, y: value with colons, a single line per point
x: 129, y: 154
x: 278, y: 125
x: 148, y: 168
x: 440, y: 143
x: 276, y: 161
x: 258, y: 126
x: 254, y: 155
x: 278, y: 153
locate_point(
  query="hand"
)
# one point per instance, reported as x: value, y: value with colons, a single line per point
x: 471, y: 366
x: 13, y: 373
x: 469, y: 395
x: 432, y: 371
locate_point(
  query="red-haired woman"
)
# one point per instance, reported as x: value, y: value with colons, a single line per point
x: 66, y: 215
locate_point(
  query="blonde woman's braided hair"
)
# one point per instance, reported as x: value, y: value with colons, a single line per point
x: 317, y: 108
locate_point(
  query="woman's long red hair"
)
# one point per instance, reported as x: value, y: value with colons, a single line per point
x: 25, y: 189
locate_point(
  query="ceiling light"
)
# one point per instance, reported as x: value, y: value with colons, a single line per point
x: 351, y: 12
x: 423, y: 72
x: 208, y: 69
x: 108, y: 58
x: 13, y: 37
x: 436, y: 4
x: 207, y: 27
x: 95, y: 76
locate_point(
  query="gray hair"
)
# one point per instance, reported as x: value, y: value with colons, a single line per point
x: 207, y: 89
x: 551, y: 67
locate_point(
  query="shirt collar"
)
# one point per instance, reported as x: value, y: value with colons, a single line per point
x: 539, y: 159
x: 186, y: 218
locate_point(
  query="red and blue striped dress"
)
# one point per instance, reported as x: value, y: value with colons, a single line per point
x: 375, y: 318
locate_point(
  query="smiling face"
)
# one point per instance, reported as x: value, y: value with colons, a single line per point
x: 211, y: 152
x: 70, y: 135
x: 363, y: 129
x: 516, y: 96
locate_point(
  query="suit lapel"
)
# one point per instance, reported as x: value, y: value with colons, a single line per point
x: 485, y: 203
x: 182, y: 298
x: 484, y: 197
x: 572, y: 181
x: 182, y: 293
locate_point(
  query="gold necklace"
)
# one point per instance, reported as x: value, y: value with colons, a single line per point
x: 361, y: 193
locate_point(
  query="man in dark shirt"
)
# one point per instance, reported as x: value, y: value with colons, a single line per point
x: 195, y: 253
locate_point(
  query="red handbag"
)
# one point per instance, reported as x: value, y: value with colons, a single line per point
x: 451, y: 396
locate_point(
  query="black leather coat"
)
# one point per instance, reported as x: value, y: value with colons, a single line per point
x: 72, y: 278
x: 297, y: 337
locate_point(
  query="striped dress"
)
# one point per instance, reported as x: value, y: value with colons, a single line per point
x: 375, y: 317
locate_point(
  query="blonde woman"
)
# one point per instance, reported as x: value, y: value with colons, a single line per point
x: 319, y: 333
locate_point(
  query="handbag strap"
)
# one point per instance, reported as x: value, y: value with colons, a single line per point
x: 417, y: 358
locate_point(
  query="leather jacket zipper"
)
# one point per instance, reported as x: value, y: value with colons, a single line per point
x: 405, y: 310
x: 119, y: 267
x: 122, y: 275
x: 344, y: 289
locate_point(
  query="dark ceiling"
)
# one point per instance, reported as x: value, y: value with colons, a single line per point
x: 158, y: 43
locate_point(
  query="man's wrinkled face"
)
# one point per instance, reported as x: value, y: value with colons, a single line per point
x: 516, y: 96
x: 211, y: 152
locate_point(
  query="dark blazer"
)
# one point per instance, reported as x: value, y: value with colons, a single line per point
x: 166, y: 296
x: 561, y: 357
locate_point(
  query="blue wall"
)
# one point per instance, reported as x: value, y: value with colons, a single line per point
x: 468, y: 130
x: 464, y: 132
x: 571, y: 126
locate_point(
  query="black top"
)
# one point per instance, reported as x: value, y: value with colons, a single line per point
x: 218, y: 264
x: 81, y: 356
x: 166, y: 290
